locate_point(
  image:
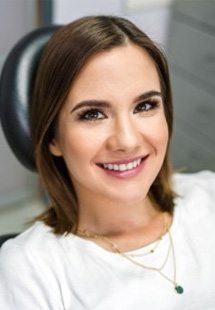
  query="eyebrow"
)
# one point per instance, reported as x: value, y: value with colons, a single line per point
x: 147, y: 95
x: 105, y: 104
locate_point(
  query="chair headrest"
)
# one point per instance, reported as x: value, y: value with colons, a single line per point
x: 16, y: 86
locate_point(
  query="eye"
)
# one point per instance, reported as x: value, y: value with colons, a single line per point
x: 91, y: 115
x: 146, y: 106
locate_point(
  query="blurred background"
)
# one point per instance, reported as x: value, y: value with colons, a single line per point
x: 185, y: 29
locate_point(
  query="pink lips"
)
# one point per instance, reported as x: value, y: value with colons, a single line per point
x: 128, y: 173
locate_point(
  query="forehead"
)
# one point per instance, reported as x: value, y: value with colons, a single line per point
x: 125, y: 70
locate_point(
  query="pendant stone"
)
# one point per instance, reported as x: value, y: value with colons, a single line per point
x: 179, y: 289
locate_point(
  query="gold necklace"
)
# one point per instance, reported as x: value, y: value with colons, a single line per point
x: 115, y: 249
x: 151, y: 251
x: 88, y: 234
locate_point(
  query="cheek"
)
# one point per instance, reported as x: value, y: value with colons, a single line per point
x: 81, y: 146
x: 163, y: 140
x: 163, y: 135
x: 156, y: 132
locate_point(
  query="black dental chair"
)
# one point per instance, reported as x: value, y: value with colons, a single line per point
x: 5, y: 237
x: 16, y: 85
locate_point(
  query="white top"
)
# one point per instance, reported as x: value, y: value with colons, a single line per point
x: 39, y: 270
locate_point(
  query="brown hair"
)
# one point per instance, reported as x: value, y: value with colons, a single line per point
x: 65, y: 55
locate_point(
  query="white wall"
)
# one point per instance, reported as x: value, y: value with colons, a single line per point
x: 152, y: 16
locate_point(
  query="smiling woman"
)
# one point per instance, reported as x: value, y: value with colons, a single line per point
x: 126, y: 123
x: 115, y: 88
x: 101, y: 123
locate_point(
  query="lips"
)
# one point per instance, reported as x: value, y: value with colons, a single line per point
x: 122, y: 166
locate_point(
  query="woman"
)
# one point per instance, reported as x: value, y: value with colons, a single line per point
x: 116, y: 235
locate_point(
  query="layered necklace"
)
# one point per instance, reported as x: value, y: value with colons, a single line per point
x: 131, y: 257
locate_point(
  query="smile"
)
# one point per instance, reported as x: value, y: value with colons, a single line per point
x: 122, y: 166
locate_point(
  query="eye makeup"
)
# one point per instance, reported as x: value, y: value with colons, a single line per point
x: 95, y: 110
x: 90, y: 114
x: 147, y: 105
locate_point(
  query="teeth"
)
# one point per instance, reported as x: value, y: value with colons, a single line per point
x: 129, y: 166
x: 115, y: 167
x: 123, y: 167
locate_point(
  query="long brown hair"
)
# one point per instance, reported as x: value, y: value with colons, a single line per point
x: 65, y: 55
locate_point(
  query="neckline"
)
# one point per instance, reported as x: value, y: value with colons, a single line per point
x: 93, y: 246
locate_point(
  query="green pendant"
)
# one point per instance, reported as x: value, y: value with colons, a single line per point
x: 179, y: 289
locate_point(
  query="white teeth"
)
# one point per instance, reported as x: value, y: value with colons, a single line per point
x: 123, y: 167
x: 110, y: 167
x: 129, y: 166
x: 115, y: 167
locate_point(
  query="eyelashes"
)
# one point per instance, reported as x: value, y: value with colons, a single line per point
x: 91, y: 114
x: 147, y: 105
x: 96, y: 114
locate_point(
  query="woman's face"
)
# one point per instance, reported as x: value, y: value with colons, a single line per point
x: 112, y: 131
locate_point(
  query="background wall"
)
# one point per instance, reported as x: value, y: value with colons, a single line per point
x: 152, y: 16
x: 191, y: 52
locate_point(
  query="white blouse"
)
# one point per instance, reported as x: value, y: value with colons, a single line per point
x: 41, y: 271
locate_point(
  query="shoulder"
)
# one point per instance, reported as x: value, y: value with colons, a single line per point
x: 196, y: 193
x: 203, y: 181
x: 38, y: 240
x: 32, y: 237
x: 28, y: 270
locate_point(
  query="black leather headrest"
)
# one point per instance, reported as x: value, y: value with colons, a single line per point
x: 16, y: 85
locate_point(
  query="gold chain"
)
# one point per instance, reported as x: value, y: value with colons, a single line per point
x: 115, y: 249
x: 151, y: 251
x: 88, y: 234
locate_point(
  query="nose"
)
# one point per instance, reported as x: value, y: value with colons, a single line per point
x: 125, y: 136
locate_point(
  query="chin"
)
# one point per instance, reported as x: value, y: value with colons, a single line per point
x: 129, y: 197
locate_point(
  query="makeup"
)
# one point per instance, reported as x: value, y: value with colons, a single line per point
x: 125, y: 169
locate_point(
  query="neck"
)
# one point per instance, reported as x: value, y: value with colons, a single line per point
x: 117, y: 218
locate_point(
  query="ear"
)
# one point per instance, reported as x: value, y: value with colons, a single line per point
x: 54, y: 148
